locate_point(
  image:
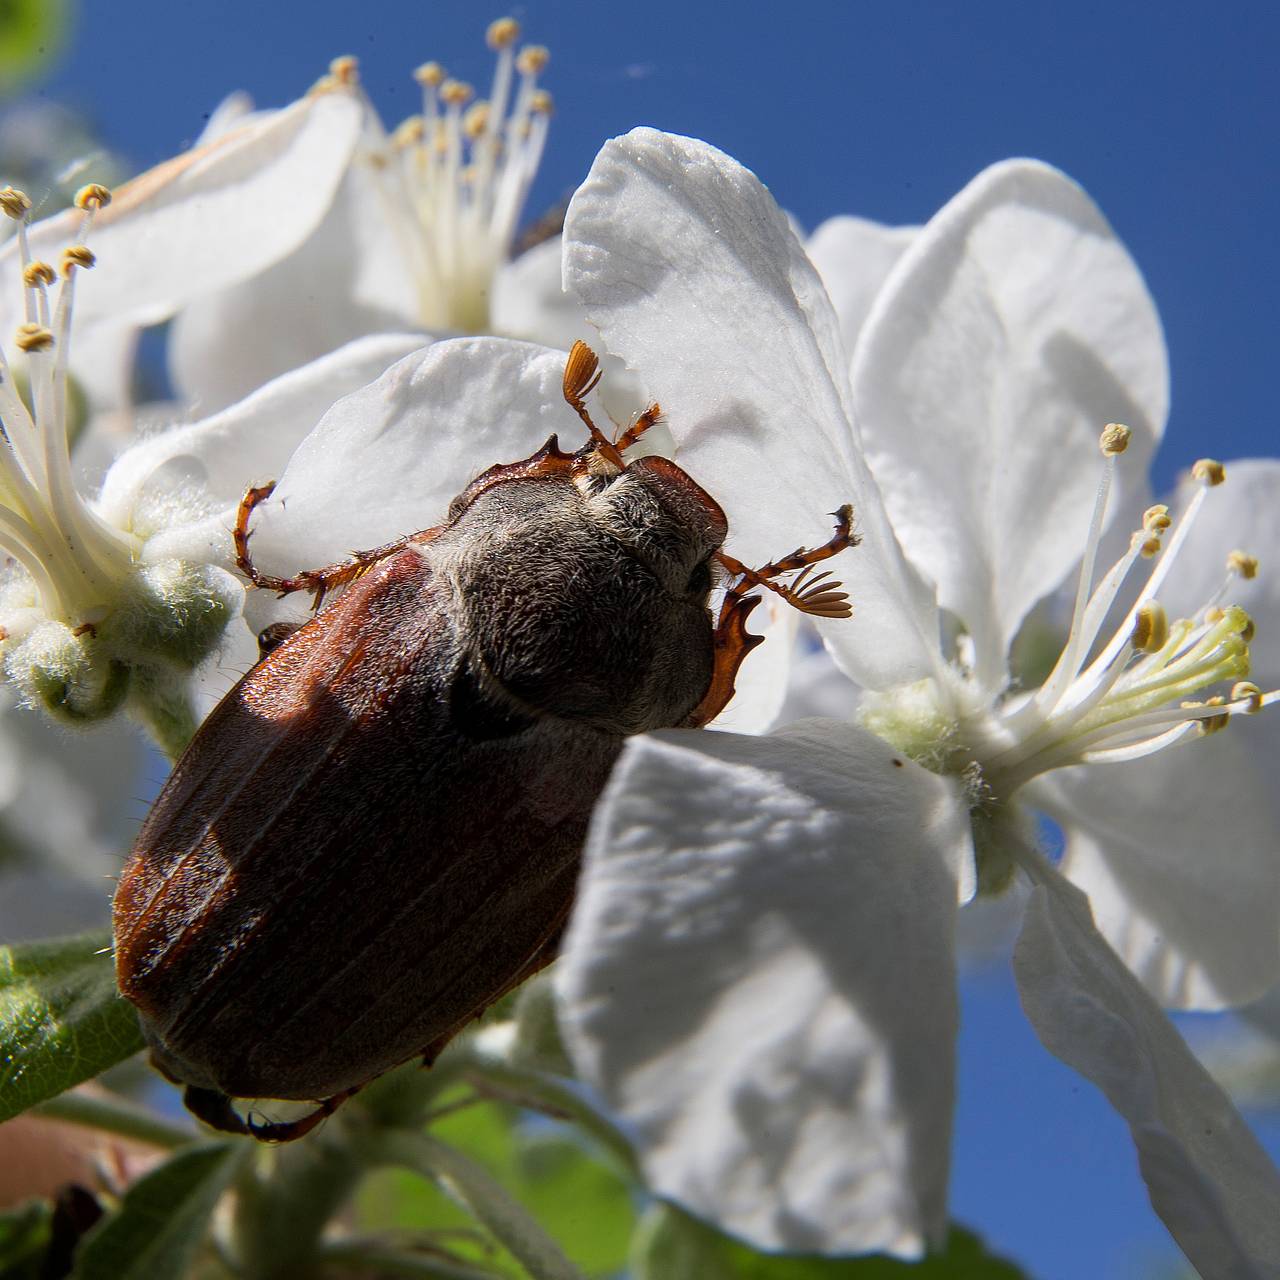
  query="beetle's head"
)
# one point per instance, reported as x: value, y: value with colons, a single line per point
x: 586, y: 590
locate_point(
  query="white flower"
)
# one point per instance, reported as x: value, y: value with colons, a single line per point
x: 417, y: 235
x: 117, y: 601
x: 760, y: 975
x: 202, y: 221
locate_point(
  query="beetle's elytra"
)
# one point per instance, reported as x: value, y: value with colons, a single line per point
x: 376, y: 833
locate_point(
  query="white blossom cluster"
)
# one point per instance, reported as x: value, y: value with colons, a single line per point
x: 759, y: 981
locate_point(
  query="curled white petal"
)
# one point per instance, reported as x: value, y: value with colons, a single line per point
x: 854, y: 257
x: 206, y: 466
x: 695, y: 279
x: 1209, y: 1180
x: 422, y: 432
x: 759, y: 979
x: 1180, y: 856
x: 1014, y: 327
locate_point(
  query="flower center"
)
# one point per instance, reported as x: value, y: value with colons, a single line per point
x: 1109, y: 698
x: 73, y: 559
x: 457, y: 175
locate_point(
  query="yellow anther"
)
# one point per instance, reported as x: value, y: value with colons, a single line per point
x: 94, y: 196
x: 1114, y: 439
x: 540, y: 102
x: 33, y: 337
x: 1243, y: 564
x: 345, y: 70
x: 1156, y: 519
x: 1247, y: 691
x: 1211, y: 724
x: 1150, y: 547
x: 502, y: 33
x: 76, y: 255
x: 1150, y: 628
x: 430, y: 74
x: 409, y: 132
x: 38, y: 273
x: 1214, y: 615
x: 476, y: 119
x: 457, y: 93
x: 1209, y: 472
x: 1248, y: 631
x: 532, y: 59
x: 14, y: 202
x: 1237, y: 619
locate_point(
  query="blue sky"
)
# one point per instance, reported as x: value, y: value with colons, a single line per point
x: 1167, y: 114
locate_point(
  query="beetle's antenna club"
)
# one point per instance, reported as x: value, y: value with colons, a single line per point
x: 581, y: 375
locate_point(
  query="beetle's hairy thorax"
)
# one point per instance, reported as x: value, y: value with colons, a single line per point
x: 563, y: 606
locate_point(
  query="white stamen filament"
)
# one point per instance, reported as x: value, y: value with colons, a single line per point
x: 1068, y: 664
x: 454, y: 180
x: 1125, y: 703
x: 75, y: 560
x: 1137, y: 696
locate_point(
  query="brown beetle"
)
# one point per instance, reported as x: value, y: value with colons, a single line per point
x: 376, y: 833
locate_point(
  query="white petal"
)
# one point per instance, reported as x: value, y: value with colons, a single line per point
x: 387, y: 460
x: 854, y: 256
x: 693, y: 276
x: 1010, y: 332
x: 205, y: 219
x: 817, y: 686
x: 1180, y: 856
x: 102, y: 362
x: 233, y: 111
x: 1242, y: 514
x: 249, y: 443
x: 1209, y: 1180
x: 529, y: 300
x: 346, y: 279
x: 759, y: 978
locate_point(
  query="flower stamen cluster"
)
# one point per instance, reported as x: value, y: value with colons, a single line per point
x: 456, y: 177
x: 70, y: 555
x: 1109, y: 698
x: 81, y: 611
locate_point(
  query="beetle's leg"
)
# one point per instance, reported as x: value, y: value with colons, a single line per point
x: 820, y: 596
x: 289, y: 1130
x: 638, y: 428
x: 215, y: 1110
x: 317, y: 581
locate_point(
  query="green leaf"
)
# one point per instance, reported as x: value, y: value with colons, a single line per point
x: 61, y: 1018
x: 161, y: 1224
x: 671, y: 1245
x: 24, y: 1237
x: 31, y: 33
